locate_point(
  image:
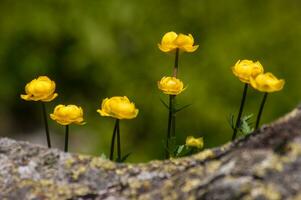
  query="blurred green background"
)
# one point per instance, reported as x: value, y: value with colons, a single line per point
x: 96, y: 49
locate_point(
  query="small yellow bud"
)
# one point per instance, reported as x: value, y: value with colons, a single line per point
x: 194, y: 142
x: 40, y: 89
x: 171, y: 41
x: 70, y: 114
x: 246, y: 69
x: 171, y: 85
x: 267, y: 83
x: 118, y: 107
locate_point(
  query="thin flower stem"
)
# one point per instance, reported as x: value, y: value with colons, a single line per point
x: 168, y: 127
x: 176, y: 66
x: 261, y: 109
x: 66, y: 138
x: 171, y: 127
x: 113, y: 140
x: 118, y: 142
x: 237, y: 125
x: 46, y: 124
x: 173, y: 121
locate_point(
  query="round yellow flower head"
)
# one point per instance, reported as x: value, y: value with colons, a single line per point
x: 194, y: 142
x: 171, y: 85
x: 70, y: 114
x: 267, y: 83
x: 246, y: 69
x: 40, y: 89
x: 171, y: 41
x: 118, y: 107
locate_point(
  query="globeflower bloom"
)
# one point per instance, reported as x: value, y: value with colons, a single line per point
x: 194, y: 142
x: 40, y: 89
x: 267, y: 83
x: 247, y: 69
x: 66, y: 115
x: 171, y: 85
x: 172, y: 41
x: 118, y: 107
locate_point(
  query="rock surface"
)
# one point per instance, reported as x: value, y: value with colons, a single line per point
x: 264, y: 165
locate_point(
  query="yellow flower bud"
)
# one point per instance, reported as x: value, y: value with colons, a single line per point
x: 246, y: 69
x: 267, y: 83
x: 40, y: 89
x: 171, y: 85
x: 194, y: 142
x: 70, y: 114
x: 171, y: 41
x: 118, y: 107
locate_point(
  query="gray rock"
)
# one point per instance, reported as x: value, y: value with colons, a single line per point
x: 264, y: 165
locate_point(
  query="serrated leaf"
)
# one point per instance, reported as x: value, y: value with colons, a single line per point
x: 246, y: 125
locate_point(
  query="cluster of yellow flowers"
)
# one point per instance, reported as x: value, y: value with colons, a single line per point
x: 253, y: 73
x: 172, y: 86
x: 43, y: 89
x: 173, y: 42
x: 249, y: 72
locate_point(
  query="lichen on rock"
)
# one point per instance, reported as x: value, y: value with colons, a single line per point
x: 263, y: 165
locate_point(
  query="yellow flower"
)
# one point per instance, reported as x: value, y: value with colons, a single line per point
x: 267, y: 83
x: 171, y: 41
x: 171, y: 85
x: 118, y: 107
x: 70, y: 114
x: 40, y: 89
x: 194, y: 142
x: 246, y: 69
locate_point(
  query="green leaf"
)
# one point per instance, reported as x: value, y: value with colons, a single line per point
x: 246, y: 125
x: 231, y: 121
x: 103, y: 156
x: 183, y: 107
x: 165, y: 104
x: 180, y: 149
x: 124, y: 157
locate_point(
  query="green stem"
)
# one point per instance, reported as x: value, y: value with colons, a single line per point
x: 113, y: 141
x: 46, y: 124
x: 171, y: 128
x: 176, y: 66
x: 173, y: 116
x: 261, y: 109
x: 66, y: 138
x: 118, y: 142
x: 237, y: 125
x: 168, y: 127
